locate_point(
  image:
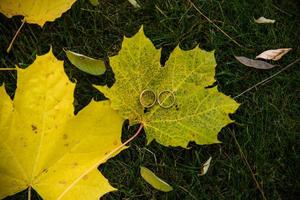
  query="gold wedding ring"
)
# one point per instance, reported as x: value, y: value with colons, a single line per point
x: 161, y: 102
x: 143, y: 95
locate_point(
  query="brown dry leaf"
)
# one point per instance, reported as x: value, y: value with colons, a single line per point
x: 274, y: 54
x: 258, y: 64
x: 263, y: 20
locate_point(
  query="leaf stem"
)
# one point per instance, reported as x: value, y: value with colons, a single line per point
x: 29, y: 193
x: 110, y: 154
x: 15, y: 36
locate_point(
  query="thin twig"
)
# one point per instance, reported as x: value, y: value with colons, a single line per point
x: 191, y: 195
x: 215, y: 25
x: 249, y: 167
x: 100, y: 161
x: 279, y: 9
x: 267, y: 79
x: 15, y: 36
x: 7, y: 69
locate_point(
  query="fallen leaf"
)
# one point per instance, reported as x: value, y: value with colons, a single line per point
x: 44, y: 146
x: 89, y: 65
x: 134, y: 3
x: 35, y: 11
x: 205, y: 166
x: 94, y: 2
x: 273, y: 54
x: 263, y: 20
x: 198, y: 114
x: 154, y: 181
x: 258, y: 64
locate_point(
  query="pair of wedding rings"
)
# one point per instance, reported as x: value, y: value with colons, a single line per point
x: 157, y: 98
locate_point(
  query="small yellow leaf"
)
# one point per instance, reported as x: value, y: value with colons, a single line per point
x: 155, y: 181
x: 263, y: 20
x: 274, y: 54
x: 94, y: 2
x: 35, y: 11
x: 89, y: 65
x: 205, y: 166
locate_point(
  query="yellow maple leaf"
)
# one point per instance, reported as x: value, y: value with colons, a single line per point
x: 35, y: 11
x: 199, y: 113
x: 44, y: 146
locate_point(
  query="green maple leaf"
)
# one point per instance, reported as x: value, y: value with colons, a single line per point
x: 199, y: 113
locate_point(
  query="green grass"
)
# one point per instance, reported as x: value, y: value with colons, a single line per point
x: 267, y: 123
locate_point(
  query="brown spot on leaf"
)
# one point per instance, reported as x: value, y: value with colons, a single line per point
x: 115, y: 142
x: 66, y: 145
x: 33, y: 128
x: 62, y: 182
x: 65, y: 136
x: 85, y: 177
